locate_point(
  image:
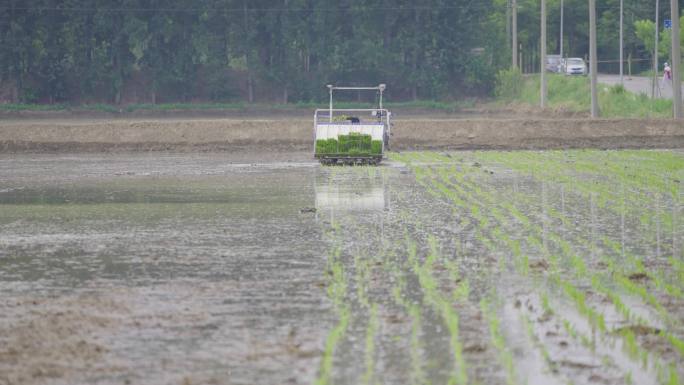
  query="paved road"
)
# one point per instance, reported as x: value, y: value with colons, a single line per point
x: 638, y: 84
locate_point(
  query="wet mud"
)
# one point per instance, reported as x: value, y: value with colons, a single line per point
x: 461, y: 267
x: 158, y: 270
x: 290, y: 134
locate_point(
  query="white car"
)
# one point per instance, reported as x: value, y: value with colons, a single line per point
x: 574, y: 66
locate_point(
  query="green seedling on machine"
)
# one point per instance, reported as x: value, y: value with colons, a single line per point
x: 352, y: 144
x: 345, y: 136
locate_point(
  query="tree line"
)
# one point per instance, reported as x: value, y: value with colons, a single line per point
x: 639, y: 30
x: 154, y: 51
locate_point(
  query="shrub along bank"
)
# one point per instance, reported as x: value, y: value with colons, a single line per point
x: 573, y: 93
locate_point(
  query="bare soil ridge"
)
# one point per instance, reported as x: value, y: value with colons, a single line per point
x: 297, y: 134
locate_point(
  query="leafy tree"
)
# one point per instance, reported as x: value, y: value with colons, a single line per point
x: 645, y: 31
x: 283, y: 50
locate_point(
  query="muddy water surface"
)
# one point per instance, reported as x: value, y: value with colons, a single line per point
x: 433, y: 268
x: 159, y: 270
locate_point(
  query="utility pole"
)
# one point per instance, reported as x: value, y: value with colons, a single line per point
x: 655, y: 53
x: 542, y: 55
x: 592, y: 59
x: 561, y: 31
x: 508, y: 22
x: 676, y: 61
x: 622, y: 43
x: 514, y: 28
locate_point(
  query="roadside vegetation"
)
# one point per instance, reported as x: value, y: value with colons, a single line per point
x: 572, y: 93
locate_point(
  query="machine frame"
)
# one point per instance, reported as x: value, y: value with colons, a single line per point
x: 325, y: 127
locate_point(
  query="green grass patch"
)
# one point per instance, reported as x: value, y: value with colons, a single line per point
x: 183, y: 106
x: 111, y: 108
x: 32, y: 107
x: 573, y: 93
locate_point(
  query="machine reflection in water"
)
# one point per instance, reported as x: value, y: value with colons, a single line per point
x: 346, y: 198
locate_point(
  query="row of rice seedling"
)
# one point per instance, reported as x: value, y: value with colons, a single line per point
x: 417, y: 363
x: 631, y: 264
x: 599, y: 289
x: 579, y: 265
x: 493, y: 320
x: 398, y: 275
x: 444, y: 290
x: 555, y: 214
x: 441, y: 305
x: 494, y: 324
x: 626, y: 168
x: 492, y: 228
x: 369, y: 358
x: 656, y: 171
x: 361, y: 305
x: 340, y: 289
x: 579, y: 300
x: 455, y: 192
x: 362, y: 276
x: 627, y: 264
x: 646, y: 187
x: 641, y: 188
x: 629, y: 287
x: 548, y: 361
x: 337, y: 292
x: 499, y: 342
x: 367, y: 307
x: 633, y: 261
x: 602, y: 186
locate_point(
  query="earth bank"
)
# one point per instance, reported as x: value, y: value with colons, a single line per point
x: 295, y: 134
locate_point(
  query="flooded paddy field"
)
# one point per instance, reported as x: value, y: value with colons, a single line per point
x: 549, y: 267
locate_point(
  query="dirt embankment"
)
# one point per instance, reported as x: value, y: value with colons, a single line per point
x: 290, y: 134
x: 539, y: 134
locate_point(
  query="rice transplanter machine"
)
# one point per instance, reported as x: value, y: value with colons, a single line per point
x: 352, y: 136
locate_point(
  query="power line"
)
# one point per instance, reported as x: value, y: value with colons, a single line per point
x: 283, y: 9
x: 240, y: 10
